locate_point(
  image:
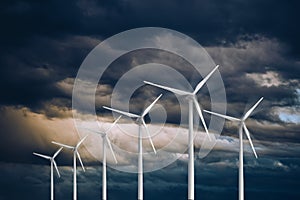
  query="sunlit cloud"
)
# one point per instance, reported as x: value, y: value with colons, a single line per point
x: 268, y: 79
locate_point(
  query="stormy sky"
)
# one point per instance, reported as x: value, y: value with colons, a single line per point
x: 43, y: 44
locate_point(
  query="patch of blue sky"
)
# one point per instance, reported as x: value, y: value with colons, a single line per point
x: 293, y: 115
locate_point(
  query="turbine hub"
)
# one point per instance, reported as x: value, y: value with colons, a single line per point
x: 138, y: 121
x: 190, y: 97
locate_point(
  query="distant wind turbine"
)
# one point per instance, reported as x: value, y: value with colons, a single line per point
x: 75, y: 155
x: 192, y: 99
x: 52, y: 162
x: 106, y: 141
x: 242, y: 126
x: 140, y: 120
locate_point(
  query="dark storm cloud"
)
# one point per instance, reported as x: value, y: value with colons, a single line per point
x: 255, y: 68
x: 140, y: 57
x: 209, y: 21
x: 261, y: 63
x: 42, y: 48
x: 37, y: 73
x: 43, y: 44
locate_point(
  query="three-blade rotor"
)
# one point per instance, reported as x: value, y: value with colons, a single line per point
x: 105, y: 137
x: 74, y: 149
x: 140, y: 118
x: 190, y: 95
x: 241, y: 122
x: 51, y: 158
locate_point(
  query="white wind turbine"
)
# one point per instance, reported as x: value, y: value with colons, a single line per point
x: 192, y: 99
x: 242, y: 126
x: 52, y: 163
x: 106, y: 141
x: 75, y: 155
x: 140, y: 120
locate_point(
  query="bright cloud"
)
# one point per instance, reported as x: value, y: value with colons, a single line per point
x: 267, y: 79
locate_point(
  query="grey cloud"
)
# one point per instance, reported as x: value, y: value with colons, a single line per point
x: 257, y: 48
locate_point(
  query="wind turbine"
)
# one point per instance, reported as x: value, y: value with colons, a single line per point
x: 75, y: 155
x: 242, y: 126
x: 140, y: 120
x: 192, y: 99
x: 52, y: 162
x: 106, y: 141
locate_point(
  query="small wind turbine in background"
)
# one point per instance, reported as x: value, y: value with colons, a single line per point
x: 140, y: 120
x: 75, y: 155
x: 106, y: 141
x: 192, y: 99
x: 52, y: 163
x: 242, y: 126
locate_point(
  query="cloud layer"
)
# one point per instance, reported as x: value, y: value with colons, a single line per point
x: 255, y: 43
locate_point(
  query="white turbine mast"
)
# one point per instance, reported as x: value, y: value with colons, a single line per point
x: 106, y: 141
x: 192, y: 99
x: 141, y: 121
x: 242, y: 126
x: 75, y: 155
x: 52, y: 163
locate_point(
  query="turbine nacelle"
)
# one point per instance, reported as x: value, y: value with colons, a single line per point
x: 74, y: 149
x: 105, y: 137
x: 52, y: 163
x: 192, y: 101
x: 52, y: 159
x: 139, y: 118
x: 190, y: 96
x: 241, y: 121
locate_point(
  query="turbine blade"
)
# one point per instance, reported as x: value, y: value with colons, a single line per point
x: 55, y: 165
x: 78, y: 155
x: 249, y: 138
x: 41, y: 155
x: 201, y: 83
x: 248, y: 113
x: 57, y: 152
x: 150, y: 106
x: 201, y: 116
x: 63, y: 145
x: 176, y: 91
x: 223, y: 116
x: 80, y: 142
x: 113, y: 124
x: 149, y: 136
x: 122, y: 112
x: 111, y: 149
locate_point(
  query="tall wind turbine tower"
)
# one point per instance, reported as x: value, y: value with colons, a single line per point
x: 75, y: 155
x: 52, y: 163
x: 105, y: 142
x: 140, y: 120
x: 241, y: 126
x: 192, y: 99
